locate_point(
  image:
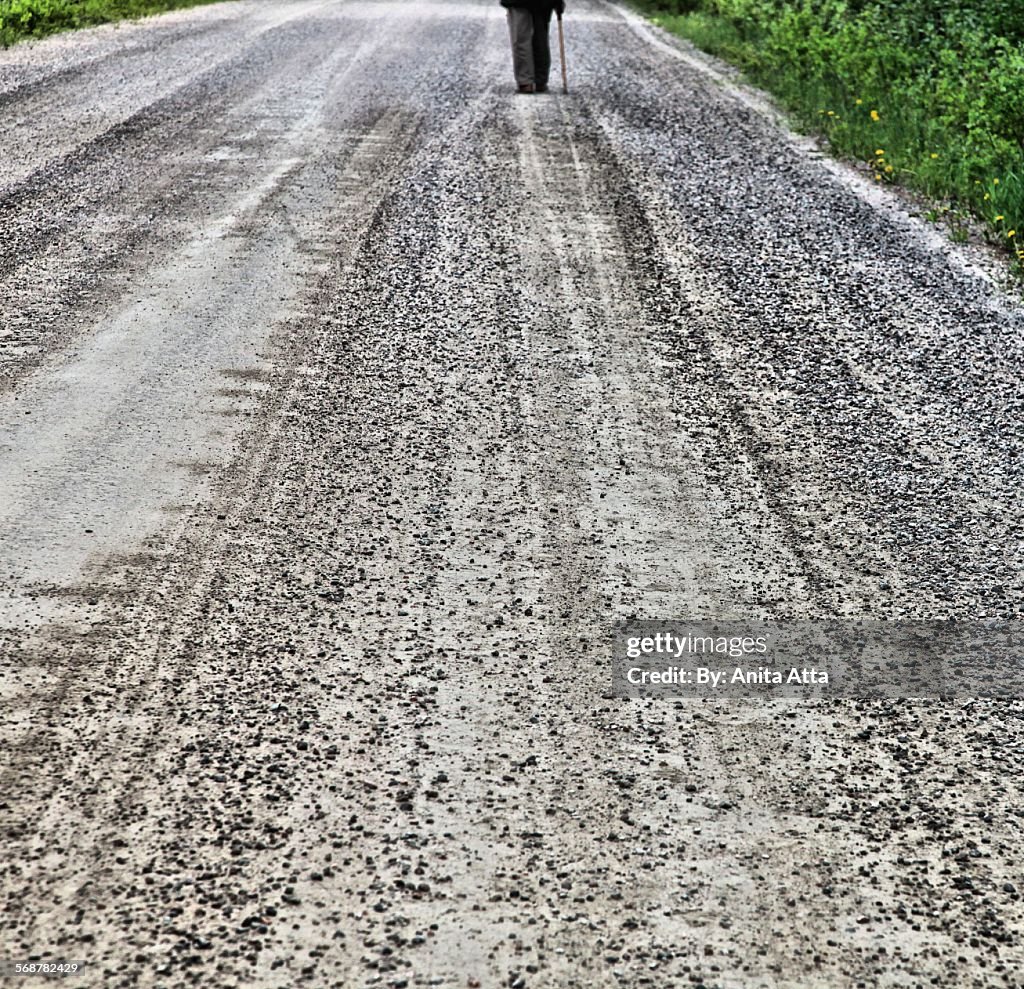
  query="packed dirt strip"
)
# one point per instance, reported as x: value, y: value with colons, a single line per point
x: 347, y: 399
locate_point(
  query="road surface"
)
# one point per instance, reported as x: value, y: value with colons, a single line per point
x: 346, y: 398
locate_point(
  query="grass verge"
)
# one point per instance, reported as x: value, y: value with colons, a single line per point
x: 929, y: 93
x: 21, y: 19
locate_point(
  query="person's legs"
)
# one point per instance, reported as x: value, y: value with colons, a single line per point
x: 541, y: 48
x: 520, y: 29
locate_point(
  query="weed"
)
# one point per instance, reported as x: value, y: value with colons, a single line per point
x: 928, y: 93
x: 36, y: 18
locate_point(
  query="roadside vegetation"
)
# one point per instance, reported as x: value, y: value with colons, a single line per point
x: 36, y: 18
x: 929, y: 93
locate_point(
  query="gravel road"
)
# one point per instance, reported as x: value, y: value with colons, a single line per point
x: 346, y: 398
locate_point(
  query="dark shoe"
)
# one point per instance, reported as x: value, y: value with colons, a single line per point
x: 526, y: 87
x: 541, y: 89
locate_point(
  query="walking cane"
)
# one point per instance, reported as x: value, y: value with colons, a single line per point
x: 561, y: 53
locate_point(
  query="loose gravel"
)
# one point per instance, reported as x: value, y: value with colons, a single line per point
x: 385, y: 392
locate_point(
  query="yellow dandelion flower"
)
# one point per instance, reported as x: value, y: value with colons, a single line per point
x: 934, y: 155
x: 1011, y: 233
x: 874, y: 115
x: 879, y: 152
x: 878, y: 178
x: 987, y: 196
x: 888, y: 168
x: 858, y: 102
x: 995, y: 181
x: 1000, y: 217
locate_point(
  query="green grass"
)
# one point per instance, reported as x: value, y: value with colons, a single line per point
x: 35, y: 18
x: 929, y: 93
x: 710, y: 33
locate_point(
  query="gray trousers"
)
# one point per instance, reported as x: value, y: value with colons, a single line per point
x: 531, y: 55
